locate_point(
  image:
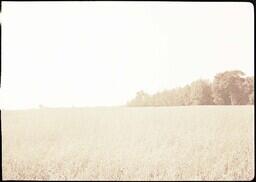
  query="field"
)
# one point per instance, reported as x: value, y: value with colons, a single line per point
x: 122, y: 143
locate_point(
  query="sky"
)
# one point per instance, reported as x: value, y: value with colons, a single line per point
x: 62, y: 54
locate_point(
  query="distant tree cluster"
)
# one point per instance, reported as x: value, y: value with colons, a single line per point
x: 227, y: 88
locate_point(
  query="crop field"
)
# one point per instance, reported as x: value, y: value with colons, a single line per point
x: 129, y: 143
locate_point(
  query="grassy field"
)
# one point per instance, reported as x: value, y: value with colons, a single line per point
x: 121, y: 143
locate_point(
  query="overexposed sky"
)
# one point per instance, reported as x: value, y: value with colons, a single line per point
x: 102, y: 53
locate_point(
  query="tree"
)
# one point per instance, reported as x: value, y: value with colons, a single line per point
x: 178, y: 97
x: 182, y: 96
x: 141, y: 99
x: 248, y: 86
x: 251, y: 98
x: 201, y: 93
x: 228, y: 88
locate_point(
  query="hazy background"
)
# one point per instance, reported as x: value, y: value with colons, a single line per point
x: 102, y: 53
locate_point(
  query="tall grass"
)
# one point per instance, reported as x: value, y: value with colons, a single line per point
x: 161, y: 143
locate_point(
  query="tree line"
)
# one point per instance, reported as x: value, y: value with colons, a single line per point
x: 227, y: 88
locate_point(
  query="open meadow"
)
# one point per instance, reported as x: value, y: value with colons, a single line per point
x: 129, y: 143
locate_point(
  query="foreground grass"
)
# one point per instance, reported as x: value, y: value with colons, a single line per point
x: 161, y: 143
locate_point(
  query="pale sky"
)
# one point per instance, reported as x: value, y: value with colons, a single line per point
x: 102, y: 53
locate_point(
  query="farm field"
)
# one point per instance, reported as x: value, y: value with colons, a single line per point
x: 129, y: 143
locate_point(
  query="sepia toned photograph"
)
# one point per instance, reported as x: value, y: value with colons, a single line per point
x: 135, y: 91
